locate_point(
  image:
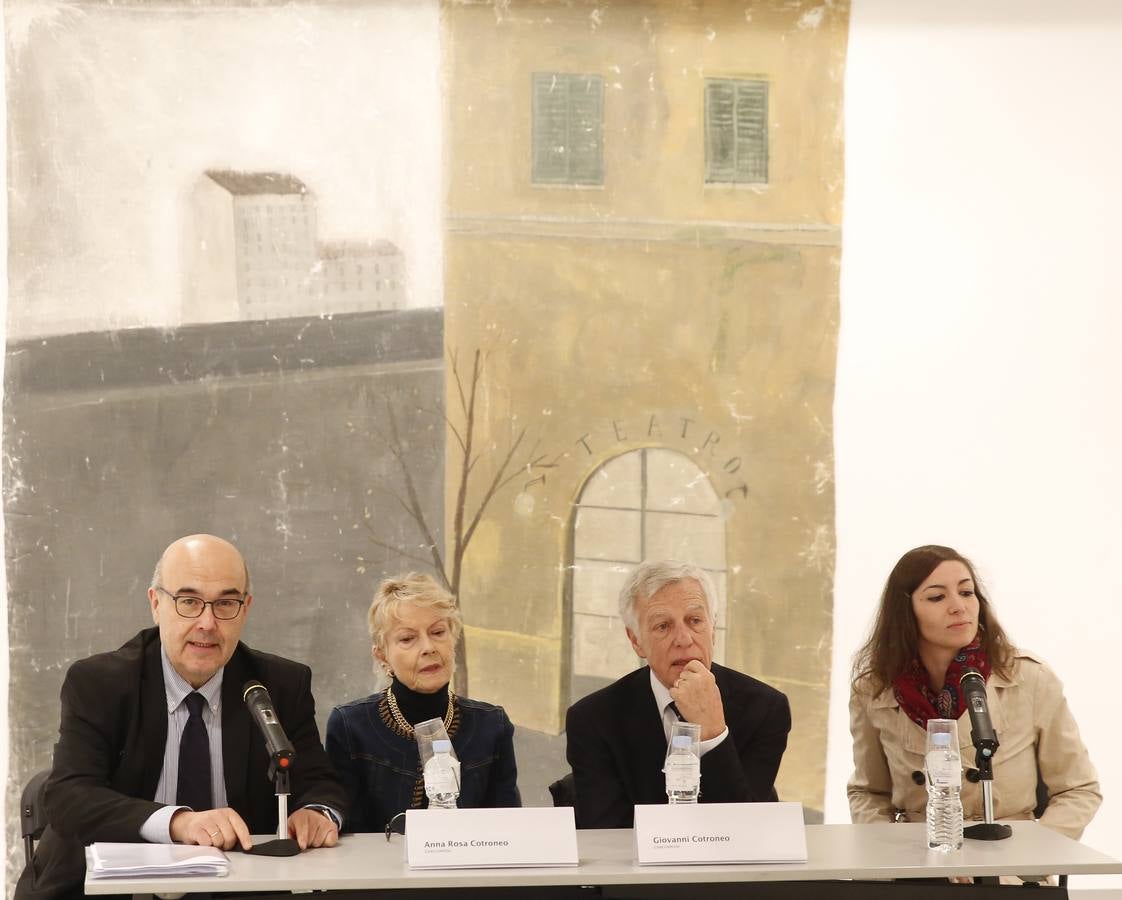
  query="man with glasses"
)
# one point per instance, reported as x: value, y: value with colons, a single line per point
x: 156, y: 743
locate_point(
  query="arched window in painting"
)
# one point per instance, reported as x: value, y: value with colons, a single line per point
x: 645, y: 504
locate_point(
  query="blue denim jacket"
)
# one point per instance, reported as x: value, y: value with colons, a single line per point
x: 380, y: 768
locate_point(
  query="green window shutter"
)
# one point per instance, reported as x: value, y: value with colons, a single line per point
x: 736, y: 120
x: 586, y: 161
x: 567, y: 129
x: 751, y: 131
x: 720, y: 142
x: 551, y: 127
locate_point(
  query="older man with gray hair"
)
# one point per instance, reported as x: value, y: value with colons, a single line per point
x: 617, y: 736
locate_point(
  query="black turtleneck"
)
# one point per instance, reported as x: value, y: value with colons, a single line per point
x: 417, y: 707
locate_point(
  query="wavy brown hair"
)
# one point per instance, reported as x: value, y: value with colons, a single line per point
x: 894, y: 639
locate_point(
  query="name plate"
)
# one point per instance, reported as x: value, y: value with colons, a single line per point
x: 490, y: 838
x: 696, y: 834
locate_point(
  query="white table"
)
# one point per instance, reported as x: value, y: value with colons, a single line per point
x: 884, y: 851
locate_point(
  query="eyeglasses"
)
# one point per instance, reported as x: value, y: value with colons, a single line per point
x: 191, y: 607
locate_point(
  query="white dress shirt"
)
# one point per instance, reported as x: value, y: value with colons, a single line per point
x: 157, y: 828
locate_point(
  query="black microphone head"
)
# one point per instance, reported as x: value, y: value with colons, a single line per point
x: 969, y: 672
x: 253, y: 685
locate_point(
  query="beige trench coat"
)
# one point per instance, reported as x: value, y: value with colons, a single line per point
x: 1037, y: 734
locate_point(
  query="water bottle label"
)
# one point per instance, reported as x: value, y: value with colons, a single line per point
x: 683, y: 774
x: 944, y: 769
x: 440, y: 778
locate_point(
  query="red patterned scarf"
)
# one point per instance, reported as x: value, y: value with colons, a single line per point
x: 920, y: 703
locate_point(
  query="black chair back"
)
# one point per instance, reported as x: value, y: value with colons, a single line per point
x: 1042, y: 798
x: 32, y: 811
x: 562, y: 791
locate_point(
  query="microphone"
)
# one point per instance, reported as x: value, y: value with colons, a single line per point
x: 279, y: 747
x: 985, y: 743
x: 974, y: 692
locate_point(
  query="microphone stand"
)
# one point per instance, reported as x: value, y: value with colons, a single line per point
x: 283, y: 845
x: 988, y: 830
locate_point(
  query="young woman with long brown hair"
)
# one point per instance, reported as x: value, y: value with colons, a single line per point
x: 934, y: 620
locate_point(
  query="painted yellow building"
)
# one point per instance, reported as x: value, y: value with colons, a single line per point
x: 643, y: 231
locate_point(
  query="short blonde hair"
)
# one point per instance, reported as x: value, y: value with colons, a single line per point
x: 420, y: 590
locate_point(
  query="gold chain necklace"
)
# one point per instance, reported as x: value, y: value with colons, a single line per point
x: 400, y: 719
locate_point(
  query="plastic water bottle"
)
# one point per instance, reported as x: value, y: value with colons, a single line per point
x: 683, y: 770
x: 944, y: 795
x: 442, y: 776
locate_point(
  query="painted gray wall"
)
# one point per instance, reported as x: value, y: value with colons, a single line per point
x: 116, y: 443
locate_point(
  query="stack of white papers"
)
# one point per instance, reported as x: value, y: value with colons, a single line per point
x: 135, y: 860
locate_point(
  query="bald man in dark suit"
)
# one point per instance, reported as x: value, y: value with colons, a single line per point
x: 124, y: 747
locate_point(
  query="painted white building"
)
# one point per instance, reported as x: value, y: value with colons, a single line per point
x: 354, y: 277
x: 253, y: 254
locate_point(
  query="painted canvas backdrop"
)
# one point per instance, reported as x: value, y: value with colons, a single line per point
x: 208, y: 215
x: 644, y: 220
x: 729, y: 273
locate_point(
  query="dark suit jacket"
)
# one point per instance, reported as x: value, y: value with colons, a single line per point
x: 617, y: 746
x: 380, y: 769
x: 110, y: 753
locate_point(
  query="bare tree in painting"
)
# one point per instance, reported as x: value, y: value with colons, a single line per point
x: 468, y: 510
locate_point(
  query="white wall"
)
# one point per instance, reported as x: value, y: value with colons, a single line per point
x: 3, y: 553
x: 979, y: 368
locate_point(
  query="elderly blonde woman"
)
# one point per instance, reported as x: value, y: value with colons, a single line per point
x: 414, y: 624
